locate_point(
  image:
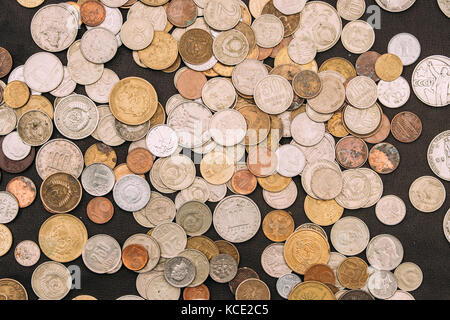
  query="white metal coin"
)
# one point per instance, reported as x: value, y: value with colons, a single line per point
x: 406, y: 47
x: 43, y: 72
x: 394, y: 94
x: 14, y: 148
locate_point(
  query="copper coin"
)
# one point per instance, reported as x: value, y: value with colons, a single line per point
x: 320, y: 272
x: 242, y: 275
x: 100, y: 210
x: 284, y: 43
x: 200, y: 292
x: 226, y: 247
x: 365, y: 65
x: 244, y: 182
x: 6, y: 62
x: 190, y: 84
x: 307, y: 84
x: 181, y: 13
x: 278, y: 225
x: 332, y: 287
x: 195, y: 46
x: 406, y: 127
x: 264, y: 53
x: 140, y: 161
x: 12, y: 166
x: 93, y: 13
x: 382, y: 133
x: 135, y: 257
x: 351, y: 152
x: 122, y: 170
x: 290, y: 22
x: 23, y: 189
x: 384, y: 158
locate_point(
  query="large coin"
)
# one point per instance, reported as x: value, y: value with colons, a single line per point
x: 438, y: 155
x: 311, y: 290
x: 51, y: 281
x: 61, y: 192
x: 98, y: 179
x: 384, y: 252
x: 11, y: 289
x: 101, y: 253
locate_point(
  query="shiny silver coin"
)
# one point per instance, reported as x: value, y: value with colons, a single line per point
x: 286, y: 283
x: 97, y: 179
x: 131, y: 193
x: 179, y: 272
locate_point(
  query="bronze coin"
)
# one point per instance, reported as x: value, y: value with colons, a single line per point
x: 351, y: 152
x: 195, y: 46
x: 200, y: 292
x: 252, y: 289
x: 284, y: 43
x: 135, y: 257
x: 384, y: 158
x: 23, y: 189
x: 140, y: 161
x: 226, y: 247
x: 406, y: 127
x: 287, y: 71
x: 244, y: 182
x: 278, y: 225
x: 248, y: 33
x: 6, y: 62
x: 290, y: 22
x: 242, y: 275
x: 320, y: 272
x: 93, y: 13
x: 382, y: 133
x: 12, y: 166
x: 307, y: 84
x: 100, y: 210
x: 181, y: 13
x: 352, y: 273
x: 61, y: 193
x: 190, y: 84
x: 365, y: 65
x: 264, y: 53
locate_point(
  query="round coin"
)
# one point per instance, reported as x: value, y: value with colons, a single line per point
x: 131, y: 193
x: 100, y: 210
x: 427, y: 194
x: 179, y: 272
x: 406, y: 127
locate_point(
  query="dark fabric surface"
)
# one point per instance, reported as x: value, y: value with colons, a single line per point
x: 421, y: 234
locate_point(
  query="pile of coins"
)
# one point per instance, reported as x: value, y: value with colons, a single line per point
x: 246, y: 123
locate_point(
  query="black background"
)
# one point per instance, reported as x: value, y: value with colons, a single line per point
x: 421, y: 234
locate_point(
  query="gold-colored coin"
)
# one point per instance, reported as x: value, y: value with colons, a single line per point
x: 149, y: 232
x: 173, y: 67
x: 133, y: 101
x: 335, y: 125
x: 388, y: 67
x: 36, y: 102
x: 311, y: 290
x: 290, y: 22
x: 246, y: 17
x: 283, y: 58
x: 226, y: 247
x: 84, y: 297
x: 195, y: 46
x: 223, y: 70
x: 274, y: 183
x: 253, y: 54
x: 256, y: 7
x: 287, y: 71
x: 6, y: 239
x: 248, y: 33
x: 11, y: 289
x: 100, y: 153
x: 252, y: 289
x: 123, y: 170
x: 217, y: 167
x: 203, y: 244
x: 341, y: 65
x: 210, y: 73
x: 62, y: 237
x: 159, y: 117
x: 278, y: 225
x: 161, y: 53
x: 61, y: 192
x: 352, y: 273
x: 30, y: 3
x: 305, y: 248
x: 322, y: 212
x: 16, y: 94
x: 258, y: 124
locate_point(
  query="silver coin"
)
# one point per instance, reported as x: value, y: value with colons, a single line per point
x: 131, y: 193
x: 222, y: 14
x: 8, y: 120
x: 197, y: 191
x: 195, y: 218
x: 27, y: 253
x: 273, y: 94
x: 9, y: 207
x: 98, y: 179
x: 216, y: 192
x: 51, y: 281
x: 59, y: 155
x: 309, y: 170
x: 35, y: 127
x: 130, y: 297
x: 99, y: 91
x: 393, y: 94
x: 98, y: 45
x: 159, y: 289
x: 269, y: 30
x: 302, y: 50
x: 291, y: 160
x: 101, y: 253
x: 283, y: 199
x: 286, y: 283
x: 132, y: 133
x: 350, y: 236
x: 143, y: 280
x: 204, y: 66
x: 324, y: 150
x: 247, y: 74
x: 141, y: 215
x: 114, y: 3
x: 201, y: 264
x: 376, y: 186
x: 177, y: 172
x: 54, y: 28
x: 236, y: 218
x: 107, y: 133
x: 137, y: 34
x: 401, y: 295
x: 358, y: 36
x: 82, y: 71
x: 66, y: 87
x: 390, y: 210
x: 205, y: 148
x: 235, y: 153
x: 384, y: 252
x: 382, y: 284
x: 355, y: 190
x: 162, y: 141
x: 331, y: 97
x: 113, y: 18
x: 156, y: 15
x: 316, y: 116
x: 228, y: 127
x: 438, y: 155
x: 155, y: 177
x: 395, y: 5
x: 446, y: 225
x: 43, y: 72
x: 14, y: 148
x: 406, y: 47
x: 361, y: 92
x: 17, y: 74
x: 223, y: 268
x: 116, y: 269
x: 430, y: 81
x: 219, y: 94
x: 427, y: 194
x: 305, y: 131
x: 272, y: 260
x: 326, y: 183
x: 409, y: 276
x: 334, y: 262
x: 179, y: 272
x: 171, y: 238
x: 444, y: 5
x: 362, y: 122
x: 160, y: 210
x: 152, y: 246
x: 351, y: 9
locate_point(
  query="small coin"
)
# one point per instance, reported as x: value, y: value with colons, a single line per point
x: 16, y: 94
x: 273, y: 94
x: 362, y: 122
x: 179, y: 272
x: 384, y: 158
x: 307, y: 84
x: 134, y: 257
x: 252, y: 289
x: 161, y: 53
x: 427, y: 194
x: 228, y: 127
x: 195, y: 218
x: 365, y: 65
x: 311, y: 290
x: 140, y: 161
x: 222, y: 14
x: 342, y: 66
x: 137, y: 34
x: 358, y: 36
x: 100, y: 210
x: 388, y: 67
x: 286, y: 283
x: 100, y: 153
x: 244, y: 182
x: 200, y: 292
x: 390, y: 210
x: 394, y: 94
x: 81, y: 70
x: 9, y: 207
x: 97, y: 179
x: 100, y: 90
x: 93, y: 13
x: 351, y: 9
x: 171, y: 238
x: 6, y: 239
x: 228, y: 248
x: 23, y: 189
x: 406, y: 47
x: 223, y: 268
x: 409, y: 276
x: 43, y: 72
x: 204, y: 245
x: 278, y: 225
x: 320, y: 272
x: 190, y: 84
x: 406, y: 127
x: 352, y: 273
x: 384, y: 252
x: 35, y: 127
x: 331, y: 97
x: 27, y: 253
x: 195, y: 46
x: 382, y: 284
x: 361, y: 92
x: 98, y: 45
x: 351, y: 152
x: 6, y: 62
x: 216, y: 168
x: 14, y: 148
x: 153, y: 250
x: 68, y: 197
x: 395, y: 6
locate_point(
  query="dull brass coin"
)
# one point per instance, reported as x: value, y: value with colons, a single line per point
x: 11, y: 289
x: 35, y: 102
x: 307, y: 84
x: 61, y: 193
x: 311, y: 290
x: 340, y: 65
x: 161, y: 53
x: 388, y: 67
x: 195, y: 46
x: 352, y: 273
x: 16, y: 94
x: 274, y: 183
x: 100, y: 153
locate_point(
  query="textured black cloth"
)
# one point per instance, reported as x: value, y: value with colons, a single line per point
x: 421, y: 234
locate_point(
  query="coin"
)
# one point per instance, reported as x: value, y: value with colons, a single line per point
x: 356, y: 295
x: 331, y: 97
x: 14, y: 166
x: 200, y: 292
x: 228, y: 127
x: 286, y: 283
x: 8, y: 120
x: 362, y: 122
x: 384, y: 158
x: 100, y: 210
x: 443, y: 5
x: 273, y: 262
x: 137, y: 34
x: 204, y: 245
x: 361, y: 92
x: 98, y: 45
x: 390, y: 210
x: 6, y: 62
x: 99, y: 91
x: 200, y: 270
x: 100, y: 153
x: 134, y: 257
x: 101, y: 253
x: 365, y: 65
x: 252, y: 289
x: 27, y: 253
x: 388, y: 67
x: 16, y: 94
x: 278, y: 225
x: 81, y: 70
x: 273, y: 94
x: 351, y: 9
x: 217, y: 168
x: 6, y: 239
x: 258, y: 124
x: 195, y: 46
x: 335, y: 126
x: 14, y: 148
x: 311, y: 290
x: 171, y: 238
x: 244, y: 182
x: 438, y: 157
x: 305, y: 131
x: 152, y: 247
x: 384, y: 252
x: 35, y: 127
x: 382, y: 284
x: 307, y: 84
x: 382, y: 133
x: 222, y: 14
x: 395, y: 6
x: 93, y: 13
x: 161, y: 53
x: 9, y: 207
x: 195, y: 218
x: 179, y: 272
x: 352, y: 273
x: 159, y: 289
x: 393, y: 94
x: 409, y: 276
x: 358, y: 36
x: 401, y: 295
x: 60, y: 285
x: 350, y: 236
x: 131, y: 193
x: 322, y: 212
x: 140, y: 161
x: 23, y: 189
x: 226, y: 247
x: 406, y: 127
x: 43, y: 72
x: 320, y: 272
x: 351, y: 152
x: 56, y: 229
x: 427, y: 194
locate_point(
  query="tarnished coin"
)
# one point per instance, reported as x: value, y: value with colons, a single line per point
x: 8, y: 120
x: 6, y: 240
x: 406, y: 127
x: 269, y: 30
x: 195, y: 218
x: 351, y: 152
x: 278, y: 225
x: 307, y: 84
x: 355, y: 190
x: 322, y: 212
x: 179, y: 272
x: 161, y: 53
x: 352, y: 273
x: 14, y: 148
x: 35, y: 127
x: 388, y: 67
x: 427, y: 194
x: 311, y: 290
x: 358, y: 36
x: 252, y: 289
x: 350, y: 236
x: 113, y: 18
x: 393, y: 94
x: 384, y: 252
x: 98, y: 45
x: 160, y: 210
x: 16, y: 94
x: 200, y: 292
x: 131, y: 193
x: 27, y: 253
x: 101, y: 253
x: 390, y: 210
x: 361, y: 92
x: 356, y: 295
x: 162, y: 141
x: 97, y: 179
x: 272, y: 261
x: 68, y: 195
x: 9, y: 207
x: 320, y: 272
x: 195, y: 46
x: 159, y: 289
x: 23, y: 189
x: 99, y: 91
x: 58, y: 287
x: 231, y: 47
x: 204, y: 245
x: 100, y: 210
x: 409, y: 276
x: 223, y: 268
x: 152, y: 247
x: 302, y: 50
x: 222, y: 14
x: 216, y: 192
x: 243, y: 182
x: 365, y: 65
x: 139, y: 161
x: 171, y: 238
x: 93, y: 13
x: 100, y: 153
x: 283, y: 199
x: 438, y: 155
x: 384, y: 158
x: 81, y: 70
x: 395, y: 5
x: 362, y: 122
x: 57, y: 229
x: 137, y: 34
x: 331, y: 96
x: 381, y: 133
x: 43, y: 72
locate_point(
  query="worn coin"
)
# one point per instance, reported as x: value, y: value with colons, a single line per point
x: 137, y: 34
x: 393, y: 94
x: 16, y: 94
x: 331, y: 97
x: 35, y: 127
x: 58, y: 287
x: 98, y: 45
x: 134, y: 257
x: 362, y: 122
x: 401, y: 295
x: 388, y: 67
x: 131, y: 193
x: 406, y: 47
x: 358, y: 36
x: 223, y: 268
x: 159, y: 289
x: 390, y: 210
x: 395, y: 5
x: 352, y: 273
x: 351, y: 152
x: 272, y: 260
x: 222, y: 14
x: 92, y: 13
x: 350, y: 236
x: 60, y: 192
x: 8, y: 120
x: 307, y: 84
x: 427, y: 194
x: 409, y: 276
x: 384, y: 252
x: 322, y: 212
x: 179, y: 272
x: 365, y: 65
x: 27, y: 253
x: 382, y: 284
x: 6, y: 62
x: 384, y: 158
x: 100, y: 210
x: 101, y: 253
x: 438, y: 155
x: 23, y: 189
x: 97, y: 179
x: 14, y: 148
x: 286, y: 283
x: 351, y: 9
x: 278, y: 225
x: 162, y: 141
x: 152, y: 247
x: 311, y: 290
x: 252, y: 289
x: 171, y: 238
x: 361, y: 92
x: 9, y: 207
x: 81, y: 70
